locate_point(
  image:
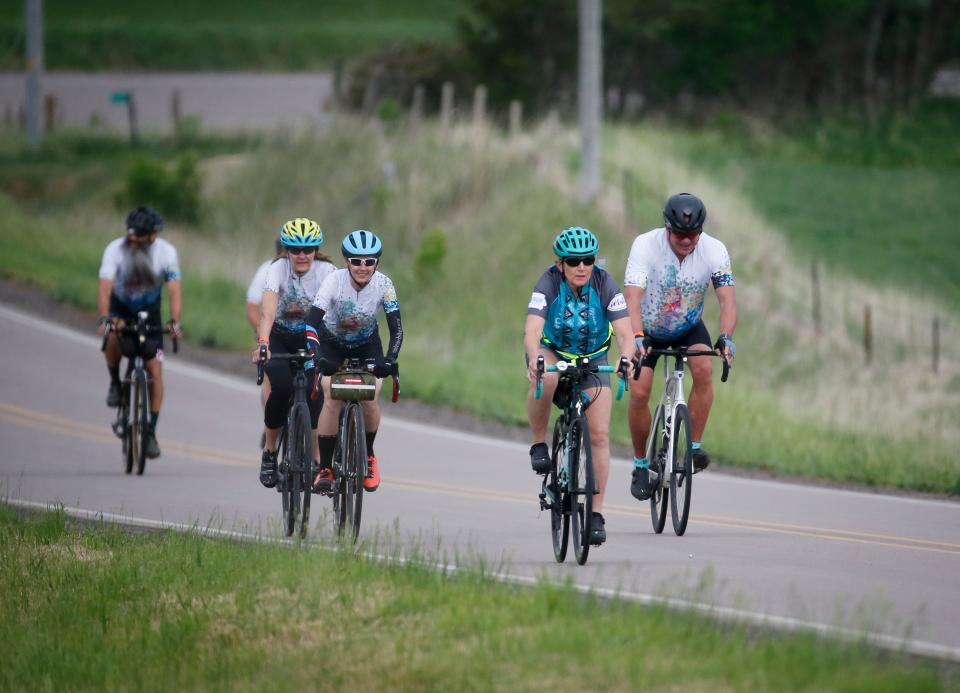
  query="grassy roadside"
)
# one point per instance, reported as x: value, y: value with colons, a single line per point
x: 99, y: 608
x: 498, y: 203
x: 220, y: 34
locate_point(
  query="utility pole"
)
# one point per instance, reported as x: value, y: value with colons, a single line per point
x: 589, y: 97
x: 33, y: 12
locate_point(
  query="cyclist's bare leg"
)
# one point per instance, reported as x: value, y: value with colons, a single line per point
x: 598, y: 418
x: 638, y: 410
x: 538, y: 410
x: 330, y: 413
x: 155, y: 369
x: 371, y: 410
x: 701, y: 394
x: 112, y: 352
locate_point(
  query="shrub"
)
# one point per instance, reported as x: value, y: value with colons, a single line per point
x: 175, y: 193
x: 428, y: 264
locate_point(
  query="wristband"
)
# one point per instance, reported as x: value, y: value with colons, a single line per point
x: 639, y: 334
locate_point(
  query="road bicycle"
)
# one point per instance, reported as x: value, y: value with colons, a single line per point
x: 295, y: 450
x: 669, y: 447
x: 569, y: 487
x: 132, y: 424
x: 353, y: 383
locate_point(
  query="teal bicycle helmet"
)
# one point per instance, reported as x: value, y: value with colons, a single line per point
x: 361, y: 243
x: 301, y: 233
x: 576, y: 241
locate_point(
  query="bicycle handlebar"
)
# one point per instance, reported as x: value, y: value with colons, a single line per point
x: 683, y: 353
x: 306, y: 355
x: 135, y: 329
x: 564, y: 366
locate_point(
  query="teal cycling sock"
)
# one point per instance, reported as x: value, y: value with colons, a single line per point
x: 640, y: 463
x: 695, y: 445
x: 154, y: 415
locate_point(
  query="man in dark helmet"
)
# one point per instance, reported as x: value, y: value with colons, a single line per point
x: 668, y: 272
x: 134, y: 269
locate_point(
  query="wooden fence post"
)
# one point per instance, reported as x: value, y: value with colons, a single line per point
x: 867, y: 333
x: 479, y: 105
x: 815, y: 288
x: 175, y: 113
x: 50, y: 111
x: 936, y: 343
x: 416, y: 106
x: 516, y: 117
x: 446, y: 104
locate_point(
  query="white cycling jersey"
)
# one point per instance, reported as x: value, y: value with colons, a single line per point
x: 674, y: 290
x: 255, y: 290
x: 294, y: 292
x: 351, y: 315
x: 138, y: 284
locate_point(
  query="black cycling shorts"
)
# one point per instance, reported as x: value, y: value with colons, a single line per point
x: 333, y: 353
x: 697, y: 334
x: 281, y: 380
x: 128, y: 342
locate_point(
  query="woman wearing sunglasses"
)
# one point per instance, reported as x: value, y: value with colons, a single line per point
x: 290, y: 285
x: 575, y: 310
x: 342, y: 323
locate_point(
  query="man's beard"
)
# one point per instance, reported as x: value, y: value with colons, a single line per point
x: 140, y: 268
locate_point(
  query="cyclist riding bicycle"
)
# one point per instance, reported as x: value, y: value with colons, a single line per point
x: 575, y: 310
x: 342, y: 323
x: 291, y: 283
x: 668, y: 272
x: 132, y: 274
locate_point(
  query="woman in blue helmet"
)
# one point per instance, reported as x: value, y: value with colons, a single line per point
x: 575, y: 310
x: 342, y: 323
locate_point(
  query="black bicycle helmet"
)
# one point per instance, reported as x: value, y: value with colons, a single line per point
x: 684, y: 212
x: 143, y: 221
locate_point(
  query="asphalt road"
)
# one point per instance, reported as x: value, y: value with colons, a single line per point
x: 232, y: 101
x: 788, y: 554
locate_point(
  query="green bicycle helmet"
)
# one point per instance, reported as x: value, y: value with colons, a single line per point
x: 301, y: 232
x: 576, y: 241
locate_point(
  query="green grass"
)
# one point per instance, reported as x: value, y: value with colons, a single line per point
x: 221, y: 34
x: 499, y: 204
x: 879, y: 205
x: 97, y: 608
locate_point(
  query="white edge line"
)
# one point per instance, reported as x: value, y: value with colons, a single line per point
x: 721, y: 613
x: 237, y: 384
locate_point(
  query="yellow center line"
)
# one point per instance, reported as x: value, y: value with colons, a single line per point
x: 54, y: 424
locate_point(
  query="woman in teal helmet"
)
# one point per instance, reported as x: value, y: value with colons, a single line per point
x: 575, y: 310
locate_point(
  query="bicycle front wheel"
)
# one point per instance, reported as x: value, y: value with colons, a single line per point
x: 681, y: 480
x: 657, y: 445
x: 300, y: 477
x: 557, y: 493
x: 123, y: 424
x: 581, y: 487
x: 354, y: 470
x: 141, y: 420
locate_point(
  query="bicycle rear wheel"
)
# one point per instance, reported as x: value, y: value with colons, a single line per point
x: 559, y: 520
x: 300, y: 477
x: 657, y: 458
x: 681, y: 480
x: 141, y: 420
x: 581, y: 488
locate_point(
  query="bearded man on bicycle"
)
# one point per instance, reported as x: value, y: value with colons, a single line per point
x: 575, y: 310
x: 341, y: 324
x: 132, y: 274
x: 668, y: 272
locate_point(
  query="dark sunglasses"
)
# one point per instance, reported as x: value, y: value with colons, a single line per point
x: 685, y: 234
x: 575, y: 261
x: 301, y: 250
x: 362, y: 261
